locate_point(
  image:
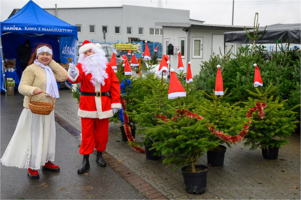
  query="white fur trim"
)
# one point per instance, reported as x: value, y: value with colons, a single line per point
x: 189, y: 81
x: 218, y: 66
x: 176, y: 95
x: 98, y: 100
x: 86, y: 47
x: 181, y: 69
x: 94, y: 114
x: 115, y: 71
x: 147, y: 58
x: 44, y: 49
x: 172, y: 70
x: 155, y: 50
x: 254, y: 64
x: 127, y: 73
x: 219, y: 92
x: 256, y: 84
x: 129, y: 54
x: 114, y: 67
x: 134, y: 65
x: 75, y: 78
x: 116, y: 105
x: 162, y: 70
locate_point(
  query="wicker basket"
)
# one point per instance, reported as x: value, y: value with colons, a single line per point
x: 41, y: 108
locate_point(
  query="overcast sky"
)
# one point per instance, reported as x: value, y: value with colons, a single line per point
x: 210, y: 11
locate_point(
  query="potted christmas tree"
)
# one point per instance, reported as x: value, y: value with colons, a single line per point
x: 272, y: 122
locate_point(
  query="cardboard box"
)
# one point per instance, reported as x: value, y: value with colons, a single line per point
x: 10, y: 91
x: 10, y: 63
x: 10, y: 82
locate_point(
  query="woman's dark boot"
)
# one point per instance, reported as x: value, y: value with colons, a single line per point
x: 100, y: 161
x: 85, y: 166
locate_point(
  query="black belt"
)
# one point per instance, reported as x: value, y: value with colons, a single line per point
x: 97, y: 94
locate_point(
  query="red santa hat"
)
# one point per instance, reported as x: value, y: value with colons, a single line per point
x: 257, y: 77
x: 175, y: 87
x: 113, y: 62
x: 129, y: 52
x: 189, y: 75
x: 219, y: 88
x: 127, y: 67
x: 180, y: 63
x: 163, y: 68
x: 124, y: 57
x: 134, y: 61
x: 156, y: 49
x: 87, y: 45
x: 147, y: 54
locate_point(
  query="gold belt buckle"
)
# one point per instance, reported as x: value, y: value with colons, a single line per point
x: 98, y: 94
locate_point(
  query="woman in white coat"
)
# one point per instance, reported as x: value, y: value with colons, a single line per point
x: 33, y: 142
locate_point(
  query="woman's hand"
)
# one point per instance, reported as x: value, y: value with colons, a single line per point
x: 37, y: 91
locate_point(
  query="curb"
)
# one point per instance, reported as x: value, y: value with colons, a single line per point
x: 136, y: 181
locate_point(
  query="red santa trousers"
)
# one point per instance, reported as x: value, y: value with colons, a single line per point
x: 95, y: 134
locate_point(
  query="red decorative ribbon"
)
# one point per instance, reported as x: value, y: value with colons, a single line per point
x: 227, y: 138
x: 127, y: 129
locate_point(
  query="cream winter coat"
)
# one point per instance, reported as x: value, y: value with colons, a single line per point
x: 35, y: 77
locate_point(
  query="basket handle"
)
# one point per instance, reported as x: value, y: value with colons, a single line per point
x: 42, y: 92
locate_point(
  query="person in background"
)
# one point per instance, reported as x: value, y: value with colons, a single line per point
x: 24, y: 53
x: 33, y: 142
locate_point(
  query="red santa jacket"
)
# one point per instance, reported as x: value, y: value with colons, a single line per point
x: 97, y: 107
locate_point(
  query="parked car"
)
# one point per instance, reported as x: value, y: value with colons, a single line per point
x: 109, y: 50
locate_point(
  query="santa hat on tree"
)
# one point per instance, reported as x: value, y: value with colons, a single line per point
x: 257, y: 77
x: 175, y: 87
x: 163, y: 68
x: 113, y: 62
x: 146, y: 54
x: 129, y: 52
x: 87, y: 45
x: 189, y: 75
x: 127, y: 67
x: 156, y: 49
x: 219, y: 88
x: 134, y: 61
x: 180, y: 63
x: 124, y: 57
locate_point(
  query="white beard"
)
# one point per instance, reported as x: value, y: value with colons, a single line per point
x: 95, y: 65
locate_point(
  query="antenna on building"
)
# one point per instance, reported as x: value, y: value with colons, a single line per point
x: 159, y: 3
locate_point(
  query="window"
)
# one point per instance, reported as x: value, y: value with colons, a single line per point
x: 105, y: 29
x: 197, y: 48
x: 106, y: 51
x: 117, y: 29
x: 92, y: 29
x: 140, y: 31
x: 182, y: 46
x: 79, y: 28
x: 155, y: 31
x: 129, y: 30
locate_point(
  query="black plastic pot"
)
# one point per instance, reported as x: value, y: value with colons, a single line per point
x: 124, y: 138
x: 195, y: 182
x: 270, y: 153
x: 150, y: 154
x: 216, y: 158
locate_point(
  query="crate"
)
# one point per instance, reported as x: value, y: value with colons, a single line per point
x: 10, y: 63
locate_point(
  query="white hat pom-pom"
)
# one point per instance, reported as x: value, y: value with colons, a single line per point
x: 218, y: 66
x: 172, y: 70
x: 145, y: 41
x: 167, y: 62
x: 123, y: 65
x: 133, y: 54
x: 98, y: 45
x: 255, y: 65
x: 189, y: 62
x: 178, y: 52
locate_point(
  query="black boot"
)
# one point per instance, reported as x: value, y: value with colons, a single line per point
x: 85, y: 166
x: 100, y: 161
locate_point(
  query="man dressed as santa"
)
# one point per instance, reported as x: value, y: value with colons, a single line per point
x: 99, y: 100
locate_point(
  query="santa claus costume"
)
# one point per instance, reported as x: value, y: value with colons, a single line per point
x: 33, y: 142
x: 99, y: 100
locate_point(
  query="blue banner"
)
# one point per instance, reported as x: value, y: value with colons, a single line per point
x: 68, y: 49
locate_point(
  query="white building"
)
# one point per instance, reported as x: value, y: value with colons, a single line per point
x: 196, y: 42
x: 120, y: 23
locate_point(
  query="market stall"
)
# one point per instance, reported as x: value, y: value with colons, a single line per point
x: 38, y: 26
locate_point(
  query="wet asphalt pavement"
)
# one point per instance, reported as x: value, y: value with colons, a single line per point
x: 98, y: 183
